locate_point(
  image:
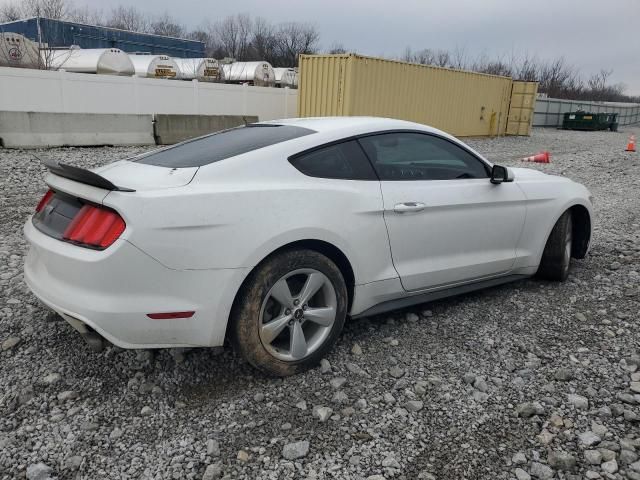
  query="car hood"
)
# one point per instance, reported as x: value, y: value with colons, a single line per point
x: 524, y: 173
x: 140, y: 176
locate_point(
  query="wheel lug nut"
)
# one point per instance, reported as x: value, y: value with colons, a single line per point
x: 287, y: 311
x: 304, y: 307
x: 296, y: 302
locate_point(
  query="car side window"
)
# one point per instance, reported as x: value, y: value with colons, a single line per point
x: 417, y: 156
x: 344, y: 160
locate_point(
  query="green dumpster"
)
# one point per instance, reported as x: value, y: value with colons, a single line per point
x: 581, y: 120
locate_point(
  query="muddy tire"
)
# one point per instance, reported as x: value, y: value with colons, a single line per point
x: 556, y: 258
x: 289, y: 312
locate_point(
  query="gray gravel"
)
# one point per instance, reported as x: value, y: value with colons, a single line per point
x: 529, y: 380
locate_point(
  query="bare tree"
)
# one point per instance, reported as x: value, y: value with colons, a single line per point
x: 263, y: 42
x: 407, y: 56
x: 295, y: 39
x: 198, y: 34
x: 427, y: 56
x: 495, y: 66
x: 233, y: 35
x: 458, y: 58
x: 597, y: 83
x: 205, y: 33
x: 430, y: 57
x: 128, y: 18
x: 86, y: 15
x: 556, y: 75
x: 167, y: 26
x: 10, y: 12
x: 527, y: 68
x: 337, y: 49
x: 423, y: 57
x: 54, y: 9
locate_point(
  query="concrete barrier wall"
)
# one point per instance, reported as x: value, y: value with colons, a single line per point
x: 47, y: 129
x: 28, y: 90
x: 169, y: 129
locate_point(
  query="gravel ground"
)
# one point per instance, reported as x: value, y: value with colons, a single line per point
x: 532, y: 379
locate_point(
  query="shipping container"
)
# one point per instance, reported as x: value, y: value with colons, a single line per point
x: 459, y: 102
x: 523, y: 102
x: 58, y: 33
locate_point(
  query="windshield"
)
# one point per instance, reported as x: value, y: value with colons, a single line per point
x: 225, y: 144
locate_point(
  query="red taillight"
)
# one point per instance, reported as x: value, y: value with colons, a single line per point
x: 44, y: 200
x: 94, y: 226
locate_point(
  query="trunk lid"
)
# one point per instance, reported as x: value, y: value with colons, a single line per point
x: 141, y: 176
x: 124, y: 176
x: 78, y: 194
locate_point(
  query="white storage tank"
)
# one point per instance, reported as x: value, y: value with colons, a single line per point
x: 104, y: 61
x: 255, y: 73
x: 154, y: 66
x: 202, y: 69
x: 18, y: 51
x: 286, y: 77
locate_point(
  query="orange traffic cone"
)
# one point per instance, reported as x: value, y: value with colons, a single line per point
x: 631, y: 145
x: 542, y: 157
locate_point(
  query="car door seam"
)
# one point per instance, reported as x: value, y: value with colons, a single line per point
x: 386, y: 228
x: 524, y: 223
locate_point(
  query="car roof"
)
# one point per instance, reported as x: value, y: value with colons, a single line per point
x: 321, y: 131
x: 329, y: 129
x: 347, y: 126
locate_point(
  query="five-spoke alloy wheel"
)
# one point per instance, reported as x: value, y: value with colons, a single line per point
x: 290, y: 312
x: 297, y: 314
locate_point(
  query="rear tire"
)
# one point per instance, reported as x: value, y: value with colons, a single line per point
x: 289, y: 313
x: 556, y: 258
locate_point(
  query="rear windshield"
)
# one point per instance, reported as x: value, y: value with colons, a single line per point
x: 221, y: 145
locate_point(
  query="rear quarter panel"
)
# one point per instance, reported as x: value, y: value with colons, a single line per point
x: 236, y: 212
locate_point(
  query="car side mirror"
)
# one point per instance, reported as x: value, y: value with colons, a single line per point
x: 500, y: 174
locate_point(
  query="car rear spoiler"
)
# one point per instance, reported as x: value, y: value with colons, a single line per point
x: 81, y: 175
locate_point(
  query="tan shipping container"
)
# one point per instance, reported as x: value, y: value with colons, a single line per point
x: 459, y: 102
x: 523, y: 102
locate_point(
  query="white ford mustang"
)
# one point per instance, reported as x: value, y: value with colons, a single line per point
x: 271, y: 234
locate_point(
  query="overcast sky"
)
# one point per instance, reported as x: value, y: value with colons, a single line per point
x: 591, y: 34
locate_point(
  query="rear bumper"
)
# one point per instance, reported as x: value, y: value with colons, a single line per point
x: 113, y: 290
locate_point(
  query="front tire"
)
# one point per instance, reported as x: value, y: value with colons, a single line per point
x: 289, y: 313
x: 556, y: 258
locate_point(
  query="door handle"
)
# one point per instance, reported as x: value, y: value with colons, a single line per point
x: 408, y: 207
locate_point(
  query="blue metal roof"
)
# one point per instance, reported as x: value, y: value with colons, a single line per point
x: 58, y: 33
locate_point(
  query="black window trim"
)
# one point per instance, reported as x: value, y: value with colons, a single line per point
x: 487, y: 166
x: 295, y: 156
